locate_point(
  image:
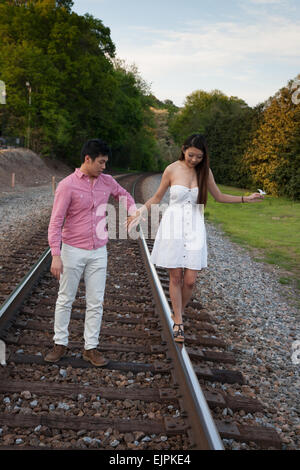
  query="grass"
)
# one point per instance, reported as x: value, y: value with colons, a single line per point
x: 270, y: 228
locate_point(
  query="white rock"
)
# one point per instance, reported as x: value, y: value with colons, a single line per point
x: 115, y: 443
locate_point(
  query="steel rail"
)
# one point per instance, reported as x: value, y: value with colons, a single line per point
x: 18, y: 295
x: 203, y: 430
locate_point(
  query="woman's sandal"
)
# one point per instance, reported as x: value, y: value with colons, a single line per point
x: 179, y: 334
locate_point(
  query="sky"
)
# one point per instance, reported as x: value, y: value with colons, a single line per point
x: 245, y: 48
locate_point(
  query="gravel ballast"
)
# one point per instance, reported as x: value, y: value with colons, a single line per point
x: 22, y: 212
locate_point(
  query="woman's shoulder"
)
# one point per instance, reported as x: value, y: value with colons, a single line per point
x: 172, y: 167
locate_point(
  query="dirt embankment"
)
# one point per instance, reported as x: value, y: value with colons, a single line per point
x: 30, y: 169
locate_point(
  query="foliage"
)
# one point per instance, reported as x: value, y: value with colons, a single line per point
x: 248, y: 147
x: 222, y: 119
x: 78, y: 90
x: 274, y: 153
x: 199, y: 109
x: 229, y: 135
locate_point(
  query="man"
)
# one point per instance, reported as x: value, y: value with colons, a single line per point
x: 77, y: 215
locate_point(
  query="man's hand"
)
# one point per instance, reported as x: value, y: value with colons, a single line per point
x: 133, y: 221
x: 56, y: 267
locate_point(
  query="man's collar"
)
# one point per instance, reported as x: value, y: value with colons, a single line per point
x: 79, y: 173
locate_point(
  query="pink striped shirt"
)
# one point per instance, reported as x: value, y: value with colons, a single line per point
x: 78, y: 216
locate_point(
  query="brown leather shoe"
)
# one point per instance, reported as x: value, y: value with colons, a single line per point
x: 56, y: 354
x: 94, y: 357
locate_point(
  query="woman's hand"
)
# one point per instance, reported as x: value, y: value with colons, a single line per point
x: 255, y: 197
x: 133, y: 220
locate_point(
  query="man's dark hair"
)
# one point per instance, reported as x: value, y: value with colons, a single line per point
x: 94, y: 148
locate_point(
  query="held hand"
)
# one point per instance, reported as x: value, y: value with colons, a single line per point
x: 255, y: 197
x: 133, y: 221
x: 56, y: 267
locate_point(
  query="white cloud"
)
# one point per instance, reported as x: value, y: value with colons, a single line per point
x: 226, y: 41
x: 263, y: 2
x: 221, y: 51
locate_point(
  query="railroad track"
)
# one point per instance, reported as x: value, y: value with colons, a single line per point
x: 13, y: 267
x: 154, y: 394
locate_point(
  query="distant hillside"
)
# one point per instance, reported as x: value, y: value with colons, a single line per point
x: 169, y: 150
x: 29, y: 168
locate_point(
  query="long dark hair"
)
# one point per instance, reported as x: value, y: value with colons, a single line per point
x: 202, y: 169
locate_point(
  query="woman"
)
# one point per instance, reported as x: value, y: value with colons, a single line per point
x: 180, y: 243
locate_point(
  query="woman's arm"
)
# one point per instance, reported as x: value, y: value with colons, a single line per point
x: 220, y: 197
x: 155, y: 199
x: 164, y: 184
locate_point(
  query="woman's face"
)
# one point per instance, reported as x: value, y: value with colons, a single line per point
x: 193, y: 156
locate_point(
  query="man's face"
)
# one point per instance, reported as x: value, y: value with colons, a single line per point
x: 97, y: 166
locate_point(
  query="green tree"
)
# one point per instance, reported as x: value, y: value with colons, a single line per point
x: 249, y: 147
x: 273, y: 153
x: 199, y: 109
x: 134, y: 144
x: 227, y: 123
x: 78, y: 90
x: 64, y: 58
x: 228, y: 136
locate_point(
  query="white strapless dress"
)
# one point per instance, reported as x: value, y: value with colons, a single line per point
x: 180, y: 241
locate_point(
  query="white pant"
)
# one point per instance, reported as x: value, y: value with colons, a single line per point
x: 92, y: 264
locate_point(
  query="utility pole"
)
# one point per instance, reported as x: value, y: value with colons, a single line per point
x: 2, y: 101
x: 29, y: 108
x: 2, y: 93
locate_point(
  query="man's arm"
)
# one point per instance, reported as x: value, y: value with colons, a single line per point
x: 61, y: 204
x: 119, y: 192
